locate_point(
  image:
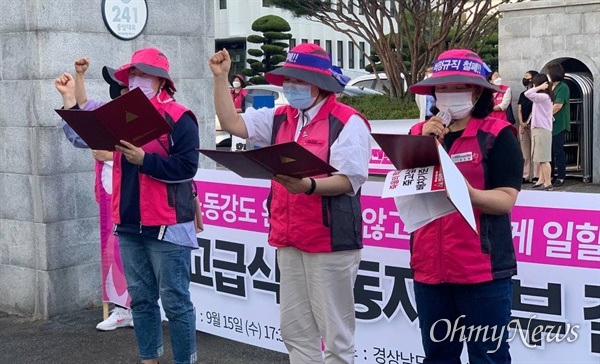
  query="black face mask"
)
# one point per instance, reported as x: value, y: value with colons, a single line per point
x: 526, y: 81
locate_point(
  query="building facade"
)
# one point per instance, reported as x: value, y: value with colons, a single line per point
x: 233, y: 24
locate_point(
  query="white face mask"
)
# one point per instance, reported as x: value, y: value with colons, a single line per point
x: 457, y: 104
x: 498, y: 81
x: 298, y: 95
x: 144, y: 83
x: 236, y: 84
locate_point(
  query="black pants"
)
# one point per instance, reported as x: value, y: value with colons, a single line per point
x: 559, y: 160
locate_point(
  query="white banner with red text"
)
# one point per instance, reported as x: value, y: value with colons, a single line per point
x: 556, y: 306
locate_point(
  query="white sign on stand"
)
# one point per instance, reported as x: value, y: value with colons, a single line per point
x: 126, y: 19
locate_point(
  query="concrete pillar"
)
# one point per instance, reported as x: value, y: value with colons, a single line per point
x: 49, y: 238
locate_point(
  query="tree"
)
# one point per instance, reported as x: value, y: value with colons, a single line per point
x: 406, y: 35
x: 273, y: 48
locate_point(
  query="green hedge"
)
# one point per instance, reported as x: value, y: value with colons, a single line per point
x: 381, y: 107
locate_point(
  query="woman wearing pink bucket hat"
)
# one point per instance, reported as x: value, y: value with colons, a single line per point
x: 461, y: 277
x: 153, y: 210
x: 315, y: 223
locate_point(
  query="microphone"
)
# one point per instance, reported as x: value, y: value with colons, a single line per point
x: 446, y: 118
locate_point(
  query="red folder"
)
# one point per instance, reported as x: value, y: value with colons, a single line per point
x: 130, y: 117
x: 417, y: 208
x: 290, y: 159
x: 409, y: 151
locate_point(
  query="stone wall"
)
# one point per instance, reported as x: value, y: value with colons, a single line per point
x: 535, y: 33
x: 49, y: 239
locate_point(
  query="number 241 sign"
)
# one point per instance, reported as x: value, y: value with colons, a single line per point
x: 126, y: 19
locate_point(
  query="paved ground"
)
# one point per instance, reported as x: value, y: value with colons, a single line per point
x: 574, y: 185
x: 73, y: 339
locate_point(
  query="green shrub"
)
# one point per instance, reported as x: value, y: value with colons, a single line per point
x: 381, y: 107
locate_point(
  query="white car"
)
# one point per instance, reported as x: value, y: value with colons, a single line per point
x: 370, y: 81
x: 277, y: 93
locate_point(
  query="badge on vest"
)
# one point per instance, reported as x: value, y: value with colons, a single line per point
x: 314, y: 142
x: 462, y: 157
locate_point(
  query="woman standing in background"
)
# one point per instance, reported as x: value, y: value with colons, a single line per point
x: 541, y: 128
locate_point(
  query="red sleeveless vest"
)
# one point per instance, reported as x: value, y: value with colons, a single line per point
x: 155, y: 209
x: 446, y: 250
x: 314, y: 223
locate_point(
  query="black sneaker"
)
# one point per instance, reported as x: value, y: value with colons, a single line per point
x: 558, y: 183
x: 534, y: 180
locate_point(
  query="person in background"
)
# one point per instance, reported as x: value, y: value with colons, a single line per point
x: 462, y: 276
x: 425, y: 102
x: 530, y: 171
x: 238, y: 94
x: 561, y: 110
x: 541, y: 128
x: 120, y: 316
x: 502, y: 99
x: 315, y: 223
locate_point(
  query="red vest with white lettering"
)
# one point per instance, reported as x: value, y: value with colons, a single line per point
x: 446, y: 250
x: 498, y: 96
x: 160, y: 203
x: 314, y: 223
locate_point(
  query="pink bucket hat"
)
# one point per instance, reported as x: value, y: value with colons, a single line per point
x: 456, y: 66
x: 150, y: 61
x: 310, y: 63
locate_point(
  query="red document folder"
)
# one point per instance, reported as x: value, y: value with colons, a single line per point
x: 419, y: 206
x: 290, y: 159
x: 130, y: 117
x: 409, y: 151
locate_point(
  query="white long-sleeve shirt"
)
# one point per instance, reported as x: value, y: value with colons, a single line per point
x: 349, y: 154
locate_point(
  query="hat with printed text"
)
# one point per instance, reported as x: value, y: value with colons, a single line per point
x: 456, y: 66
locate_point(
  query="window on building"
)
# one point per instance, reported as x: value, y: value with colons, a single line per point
x: 222, y: 4
x: 350, y: 55
x: 328, y: 47
x: 340, y: 6
x: 317, y: 42
x: 360, y: 10
x: 340, y: 54
x: 350, y: 6
x: 265, y: 3
x: 361, y: 60
x: 292, y: 42
x: 304, y: 40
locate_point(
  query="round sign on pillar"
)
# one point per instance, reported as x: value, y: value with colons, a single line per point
x: 126, y: 19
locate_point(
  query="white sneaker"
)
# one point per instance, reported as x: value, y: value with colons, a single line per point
x: 119, y: 317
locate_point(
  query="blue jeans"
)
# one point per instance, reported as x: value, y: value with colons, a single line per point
x: 447, y: 310
x: 153, y: 269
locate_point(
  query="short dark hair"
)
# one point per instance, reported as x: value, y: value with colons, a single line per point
x: 540, y: 79
x: 532, y: 73
x: 556, y: 72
